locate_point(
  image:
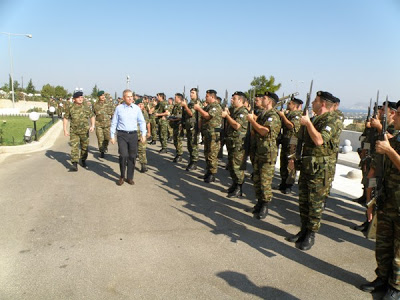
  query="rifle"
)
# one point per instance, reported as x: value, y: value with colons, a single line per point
x: 196, y: 129
x: 224, y: 128
x: 377, y: 182
x: 247, y: 139
x: 183, y: 119
x: 300, y: 138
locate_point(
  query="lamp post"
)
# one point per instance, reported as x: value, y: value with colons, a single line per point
x: 34, y: 116
x: 11, y: 63
x: 128, y: 80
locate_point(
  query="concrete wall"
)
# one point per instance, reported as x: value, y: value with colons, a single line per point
x: 20, y: 106
x: 353, y: 136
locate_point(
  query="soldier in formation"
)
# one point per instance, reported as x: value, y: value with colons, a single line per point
x: 175, y: 121
x: 161, y: 113
x: 142, y: 144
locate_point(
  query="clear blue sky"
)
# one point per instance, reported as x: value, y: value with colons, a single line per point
x: 349, y: 47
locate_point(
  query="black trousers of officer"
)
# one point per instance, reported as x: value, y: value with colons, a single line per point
x: 127, y: 149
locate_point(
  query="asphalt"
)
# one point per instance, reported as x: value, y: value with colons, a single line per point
x: 78, y: 235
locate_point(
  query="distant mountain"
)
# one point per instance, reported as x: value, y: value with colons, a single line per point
x: 356, y: 107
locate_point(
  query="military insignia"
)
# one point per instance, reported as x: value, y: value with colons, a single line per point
x: 328, y: 128
x: 241, y: 115
x: 269, y: 119
x: 297, y: 117
x: 214, y: 108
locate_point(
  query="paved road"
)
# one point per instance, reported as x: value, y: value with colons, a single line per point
x: 171, y: 236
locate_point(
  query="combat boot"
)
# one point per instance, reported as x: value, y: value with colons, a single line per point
x: 363, y: 227
x: 143, y: 169
x: 231, y: 188
x: 210, y: 178
x: 153, y: 142
x: 256, y: 208
x: 263, y: 211
x: 297, y: 237
x: 287, y: 189
x: 163, y: 150
x: 377, y: 284
x: 102, y: 154
x: 237, y: 192
x: 74, y: 167
x: 83, y: 163
x: 205, y: 175
x: 191, y: 166
x: 392, y: 294
x: 175, y: 159
x: 308, y: 241
x: 178, y: 158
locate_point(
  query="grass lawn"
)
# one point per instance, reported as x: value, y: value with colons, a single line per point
x: 15, y: 127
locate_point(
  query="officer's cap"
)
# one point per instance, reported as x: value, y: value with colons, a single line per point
x: 326, y: 96
x: 273, y: 96
x: 77, y: 94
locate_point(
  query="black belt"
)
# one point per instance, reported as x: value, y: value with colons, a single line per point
x: 128, y: 132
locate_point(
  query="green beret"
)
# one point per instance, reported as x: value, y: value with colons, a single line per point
x: 100, y: 93
x: 138, y: 101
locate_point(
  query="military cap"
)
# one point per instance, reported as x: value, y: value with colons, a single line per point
x: 326, y: 96
x: 273, y: 96
x: 296, y: 100
x: 179, y: 95
x: 212, y: 92
x: 77, y: 94
x: 259, y: 95
x: 138, y: 101
x: 398, y: 104
x: 219, y: 99
x: 100, y: 93
x: 337, y: 100
x: 193, y: 89
x: 240, y: 94
x: 391, y: 105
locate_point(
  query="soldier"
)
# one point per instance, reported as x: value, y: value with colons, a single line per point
x: 153, y: 120
x: 52, y: 103
x: 142, y: 145
x: 387, y: 251
x: 103, y: 110
x: 78, y: 113
x: 291, y: 126
x: 235, y: 135
x: 162, y: 113
x: 60, y: 107
x: 258, y: 109
x: 266, y: 129
x: 314, y: 173
x: 191, y: 120
x: 176, y: 125
x: 211, y: 120
x: 170, y: 105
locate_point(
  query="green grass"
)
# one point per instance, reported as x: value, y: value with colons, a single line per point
x: 12, y: 129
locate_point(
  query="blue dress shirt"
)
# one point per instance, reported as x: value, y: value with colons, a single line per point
x: 126, y: 118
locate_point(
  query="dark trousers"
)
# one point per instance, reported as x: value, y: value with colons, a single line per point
x: 127, y: 149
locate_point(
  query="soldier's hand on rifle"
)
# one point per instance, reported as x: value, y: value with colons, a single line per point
x: 375, y: 123
x: 196, y: 106
x: 183, y: 103
x: 250, y: 116
x: 368, y: 124
x: 305, y: 119
x: 383, y: 147
x: 281, y: 113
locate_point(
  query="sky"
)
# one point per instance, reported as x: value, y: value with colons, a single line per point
x: 350, y: 48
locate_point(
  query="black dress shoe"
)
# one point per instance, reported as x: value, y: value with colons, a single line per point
x: 102, y: 154
x: 377, y: 284
x: 297, y: 237
x: 392, y: 294
x: 210, y: 178
x: 308, y: 241
x: 74, y: 167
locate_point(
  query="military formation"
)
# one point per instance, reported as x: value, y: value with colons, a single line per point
x: 255, y: 126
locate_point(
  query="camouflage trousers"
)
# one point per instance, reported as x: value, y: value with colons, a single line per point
x: 211, y: 148
x: 103, y: 137
x: 313, y: 190
x: 177, y: 139
x: 170, y: 131
x: 163, y: 132
x: 263, y: 172
x: 235, y: 160
x: 288, y: 177
x: 142, y: 152
x: 192, y: 144
x: 153, y: 128
x: 82, y: 141
x: 387, y: 251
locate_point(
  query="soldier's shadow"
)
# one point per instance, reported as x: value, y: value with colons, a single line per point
x: 60, y: 157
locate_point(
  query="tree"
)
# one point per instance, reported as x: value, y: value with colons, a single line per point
x: 95, y: 91
x: 47, y: 91
x: 5, y: 88
x: 30, y: 89
x: 262, y: 85
x: 60, y: 92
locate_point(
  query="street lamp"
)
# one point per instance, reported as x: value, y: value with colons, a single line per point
x: 11, y: 64
x: 34, y: 116
x: 128, y: 80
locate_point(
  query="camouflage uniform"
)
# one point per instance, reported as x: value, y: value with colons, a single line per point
x: 103, y: 110
x: 314, y: 172
x: 235, y: 144
x: 162, y: 107
x: 142, y: 146
x: 153, y: 125
x: 266, y: 152
x: 79, y: 130
x: 60, y: 108
x: 289, y: 142
x: 192, y: 132
x: 252, y: 151
x: 176, y: 127
x: 212, y: 128
x: 170, y: 128
x: 53, y: 103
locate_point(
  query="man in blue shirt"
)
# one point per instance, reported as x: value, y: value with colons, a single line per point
x: 124, y: 123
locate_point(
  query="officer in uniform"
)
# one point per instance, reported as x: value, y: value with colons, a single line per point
x: 52, y: 103
x: 78, y: 113
x: 266, y: 129
x: 103, y: 111
x: 191, y: 121
x: 258, y: 109
x: 176, y: 124
x: 162, y: 113
x: 142, y: 144
x: 170, y: 105
x: 387, y: 250
x: 291, y: 126
x: 211, y: 117
x: 235, y: 135
x: 314, y: 182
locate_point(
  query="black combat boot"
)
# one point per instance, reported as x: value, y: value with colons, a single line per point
x: 153, y: 142
x: 74, y: 167
x: 308, y: 241
x: 280, y: 187
x: 191, y: 166
x: 102, y: 154
x: 163, y: 150
x: 256, y: 208
x: 143, y: 169
x: 83, y: 163
x: 210, y: 178
x: 377, y: 284
x: 297, y: 237
x: 392, y: 294
x: 179, y: 158
x: 263, y: 211
x: 175, y: 159
x: 237, y: 192
x: 205, y: 175
x: 287, y: 189
x: 363, y: 227
x: 231, y: 188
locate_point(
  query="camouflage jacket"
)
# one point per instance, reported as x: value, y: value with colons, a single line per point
x: 266, y: 146
x: 338, y: 117
x: 215, y: 112
x: 78, y: 114
x: 161, y: 107
x: 146, y: 119
x: 176, y: 111
x: 103, y: 110
x: 294, y: 117
x: 190, y: 121
x: 239, y: 115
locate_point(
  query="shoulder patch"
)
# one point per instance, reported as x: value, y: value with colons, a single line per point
x: 214, y: 108
x: 269, y: 119
x: 328, y: 128
x: 241, y: 115
x: 297, y: 117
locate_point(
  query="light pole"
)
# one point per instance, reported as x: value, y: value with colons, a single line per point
x: 11, y: 63
x: 34, y: 116
x: 128, y: 80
